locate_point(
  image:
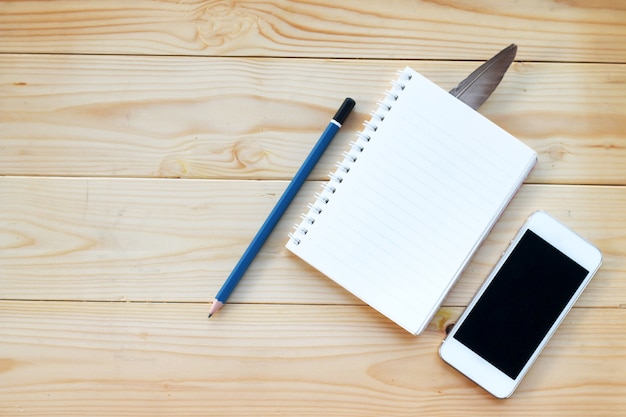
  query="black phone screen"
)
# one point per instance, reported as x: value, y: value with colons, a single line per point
x: 521, y: 304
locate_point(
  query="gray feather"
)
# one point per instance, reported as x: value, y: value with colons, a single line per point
x: 476, y: 89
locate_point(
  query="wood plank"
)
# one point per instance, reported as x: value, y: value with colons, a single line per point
x: 177, y: 240
x: 258, y: 118
x: 469, y: 29
x: 72, y: 359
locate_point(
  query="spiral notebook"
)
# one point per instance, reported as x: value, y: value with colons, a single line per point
x: 412, y: 200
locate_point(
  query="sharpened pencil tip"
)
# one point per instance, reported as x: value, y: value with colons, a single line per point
x: 215, y: 307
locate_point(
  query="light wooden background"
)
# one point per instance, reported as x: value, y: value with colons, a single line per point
x: 142, y: 144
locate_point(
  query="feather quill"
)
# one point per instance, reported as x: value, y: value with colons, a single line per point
x: 478, y: 86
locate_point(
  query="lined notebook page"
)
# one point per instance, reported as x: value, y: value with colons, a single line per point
x: 414, y: 198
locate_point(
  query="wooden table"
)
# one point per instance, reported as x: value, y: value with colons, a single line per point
x: 142, y: 144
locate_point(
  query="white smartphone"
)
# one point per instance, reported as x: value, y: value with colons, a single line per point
x: 521, y: 304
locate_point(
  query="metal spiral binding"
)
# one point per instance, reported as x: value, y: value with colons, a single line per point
x: 349, y: 159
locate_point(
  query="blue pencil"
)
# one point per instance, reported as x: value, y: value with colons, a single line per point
x: 282, y: 204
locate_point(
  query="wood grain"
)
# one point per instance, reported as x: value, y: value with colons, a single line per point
x: 143, y: 143
x: 572, y: 31
x: 258, y: 118
x: 76, y: 359
x: 177, y: 240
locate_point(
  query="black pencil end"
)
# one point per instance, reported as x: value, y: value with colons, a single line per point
x: 344, y: 110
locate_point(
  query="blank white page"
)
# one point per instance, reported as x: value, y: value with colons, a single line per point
x: 426, y: 181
